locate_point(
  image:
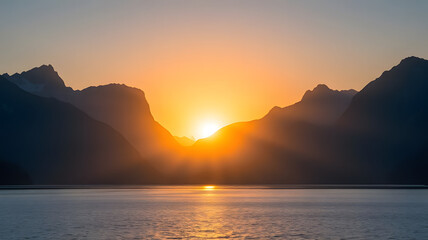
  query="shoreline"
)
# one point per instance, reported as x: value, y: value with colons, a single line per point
x: 220, y: 186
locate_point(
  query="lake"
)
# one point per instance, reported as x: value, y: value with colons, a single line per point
x: 194, y: 212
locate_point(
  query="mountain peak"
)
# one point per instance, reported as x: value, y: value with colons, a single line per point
x: 322, y: 91
x: 321, y: 87
x: 412, y: 60
x: 44, y: 77
x: 319, y: 90
x: 46, y: 67
x: 320, y: 105
x: 393, y: 97
x: 409, y: 64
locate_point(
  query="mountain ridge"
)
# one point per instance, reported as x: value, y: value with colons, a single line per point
x: 377, y: 135
x: 124, y: 108
x: 56, y: 143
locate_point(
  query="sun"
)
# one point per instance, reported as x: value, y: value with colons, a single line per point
x: 207, y: 129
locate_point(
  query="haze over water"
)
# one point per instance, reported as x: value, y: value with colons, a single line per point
x: 219, y: 213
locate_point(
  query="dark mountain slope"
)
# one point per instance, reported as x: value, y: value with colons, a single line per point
x: 384, y: 130
x: 56, y: 143
x: 126, y: 109
x: 42, y: 81
x: 122, y: 107
x: 397, y: 98
x: 12, y: 174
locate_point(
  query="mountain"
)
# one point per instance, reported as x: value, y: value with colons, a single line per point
x: 126, y: 110
x: 12, y: 174
x: 394, y: 100
x: 185, y: 141
x: 41, y: 81
x: 384, y: 130
x: 123, y: 108
x: 322, y: 106
x: 376, y: 136
x: 56, y: 143
x: 282, y: 147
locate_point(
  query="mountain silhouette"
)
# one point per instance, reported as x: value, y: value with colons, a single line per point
x: 321, y: 105
x: 375, y: 136
x: 42, y: 81
x: 281, y: 147
x: 394, y: 100
x: 384, y: 130
x: 379, y: 135
x: 126, y: 109
x: 56, y: 143
x: 123, y: 108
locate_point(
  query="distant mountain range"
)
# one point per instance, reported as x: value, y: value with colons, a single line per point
x: 377, y: 136
x: 282, y: 147
x: 123, y: 108
x: 53, y: 142
x: 52, y: 134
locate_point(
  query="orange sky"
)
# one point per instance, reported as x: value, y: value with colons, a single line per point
x: 213, y: 61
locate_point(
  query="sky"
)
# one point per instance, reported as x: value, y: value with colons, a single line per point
x: 213, y: 61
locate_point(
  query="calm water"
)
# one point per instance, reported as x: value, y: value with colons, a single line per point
x: 192, y: 213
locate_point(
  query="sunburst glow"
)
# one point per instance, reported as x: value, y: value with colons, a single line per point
x: 208, y: 129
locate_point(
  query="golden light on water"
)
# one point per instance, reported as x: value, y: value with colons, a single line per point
x: 209, y: 187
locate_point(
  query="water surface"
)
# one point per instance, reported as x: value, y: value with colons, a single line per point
x: 221, y: 213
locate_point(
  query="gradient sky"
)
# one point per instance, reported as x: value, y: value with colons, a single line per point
x: 213, y: 61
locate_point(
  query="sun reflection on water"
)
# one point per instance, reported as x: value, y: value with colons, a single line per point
x: 209, y: 188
